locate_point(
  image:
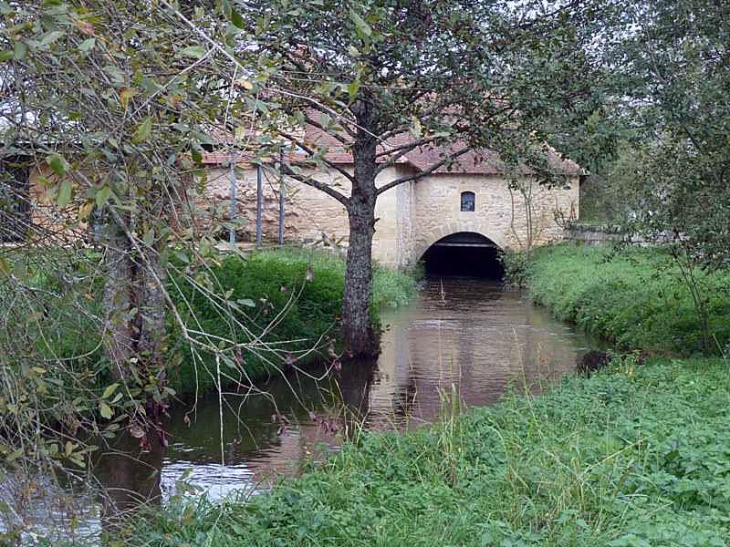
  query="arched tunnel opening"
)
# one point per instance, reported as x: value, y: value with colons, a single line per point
x: 464, y: 254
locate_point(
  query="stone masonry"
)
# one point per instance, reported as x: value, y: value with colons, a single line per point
x: 411, y: 217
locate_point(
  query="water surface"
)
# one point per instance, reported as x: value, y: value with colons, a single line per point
x: 461, y: 338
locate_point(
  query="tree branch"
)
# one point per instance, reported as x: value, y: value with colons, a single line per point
x: 314, y: 183
x: 313, y: 153
x: 416, y: 176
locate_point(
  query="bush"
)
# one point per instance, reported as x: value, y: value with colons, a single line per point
x: 514, y: 264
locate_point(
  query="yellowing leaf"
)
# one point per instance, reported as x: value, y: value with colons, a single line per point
x: 125, y: 94
x: 105, y: 410
x: 245, y: 84
x: 85, y: 210
x: 144, y: 131
x: 109, y: 390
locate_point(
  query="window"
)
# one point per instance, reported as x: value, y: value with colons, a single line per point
x: 467, y: 201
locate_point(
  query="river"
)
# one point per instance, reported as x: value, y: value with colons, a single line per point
x: 461, y: 343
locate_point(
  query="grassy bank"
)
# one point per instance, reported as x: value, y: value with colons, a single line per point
x: 290, y: 296
x: 280, y: 295
x: 634, y: 456
x: 634, y: 297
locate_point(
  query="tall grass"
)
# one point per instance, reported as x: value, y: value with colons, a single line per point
x: 292, y: 295
x: 634, y: 456
x: 634, y: 297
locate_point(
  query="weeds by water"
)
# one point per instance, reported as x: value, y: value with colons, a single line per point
x: 636, y: 455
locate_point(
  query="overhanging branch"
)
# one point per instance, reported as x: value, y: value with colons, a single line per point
x: 421, y: 174
x: 314, y: 183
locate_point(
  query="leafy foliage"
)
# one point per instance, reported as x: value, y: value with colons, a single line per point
x: 671, y: 114
x: 634, y: 456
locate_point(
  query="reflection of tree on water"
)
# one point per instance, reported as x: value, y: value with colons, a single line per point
x: 130, y: 477
x: 355, y: 384
x: 479, y: 339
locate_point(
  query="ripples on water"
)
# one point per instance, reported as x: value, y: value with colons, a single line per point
x: 462, y: 336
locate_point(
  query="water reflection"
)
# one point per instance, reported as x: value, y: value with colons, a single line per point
x: 460, y: 336
x: 467, y: 337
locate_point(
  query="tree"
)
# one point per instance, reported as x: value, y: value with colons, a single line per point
x: 379, y: 79
x: 673, y: 108
x: 108, y: 105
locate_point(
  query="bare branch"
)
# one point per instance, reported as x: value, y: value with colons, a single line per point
x: 421, y: 174
x: 313, y: 153
x: 314, y: 183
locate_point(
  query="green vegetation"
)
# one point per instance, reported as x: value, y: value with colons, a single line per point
x: 274, y: 299
x: 634, y: 456
x: 291, y: 295
x: 634, y: 297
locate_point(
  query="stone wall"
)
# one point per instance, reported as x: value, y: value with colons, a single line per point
x: 499, y: 214
x: 410, y: 217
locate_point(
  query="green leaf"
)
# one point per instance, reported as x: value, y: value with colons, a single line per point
x: 246, y: 302
x: 353, y: 88
x: 64, y: 193
x: 236, y: 19
x: 149, y: 237
x: 51, y: 37
x: 4, y: 267
x: 109, y: 390
x: 57, y: 163
x: 14, y: 455
x: 5, y: 8
x: 102, y: 196
x: 20, y: 51
x: 144, y: 131
x: 362, y: 28
x: 105, y: 410
x: 87, y: 45
x: 196, y: 52
x: 6, y: 55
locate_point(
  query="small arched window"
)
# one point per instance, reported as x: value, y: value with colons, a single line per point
x: 467, y: 201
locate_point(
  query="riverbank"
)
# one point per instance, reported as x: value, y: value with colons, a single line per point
x: 288, y: 298
x: 635, y: 455
x: 634, y: 297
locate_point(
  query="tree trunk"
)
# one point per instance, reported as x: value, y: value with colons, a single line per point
x: 359, y: 338
x: 134, y: 304
x: 152, y: 309
x: 358, y: 334
x: 117, y: 301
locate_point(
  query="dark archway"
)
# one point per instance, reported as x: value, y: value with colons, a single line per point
x: 464, y: 254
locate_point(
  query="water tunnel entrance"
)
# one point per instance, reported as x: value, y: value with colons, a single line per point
x: 464, y: 254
